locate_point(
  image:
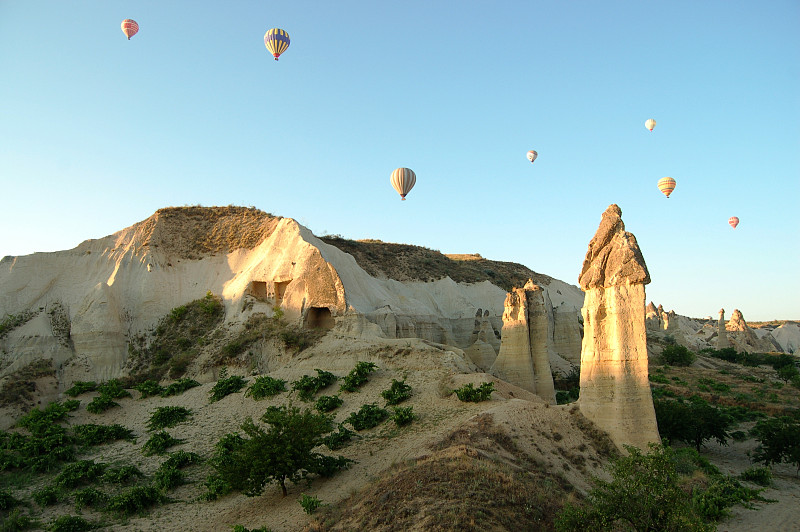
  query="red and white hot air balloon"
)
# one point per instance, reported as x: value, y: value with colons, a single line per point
x: 733, y: 221
x: 532, y: 155
x: 129, y: 28
x: 650, y: 124
x: 403, y: 180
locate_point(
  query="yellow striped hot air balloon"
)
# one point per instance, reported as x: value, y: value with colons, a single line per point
x: 277, y: 41
x: 666, y: 185
x: 650, y: 124
x: 403, y: 180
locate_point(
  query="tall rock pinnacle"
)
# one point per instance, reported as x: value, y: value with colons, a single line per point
x: 615, y: 390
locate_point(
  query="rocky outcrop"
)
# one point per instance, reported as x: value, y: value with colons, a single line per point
x: 743, y: 338
x: 722, y: 332
x: 567, y: 334
x: 615, y: 390
x: 481, y: 350
x: 523, y: 359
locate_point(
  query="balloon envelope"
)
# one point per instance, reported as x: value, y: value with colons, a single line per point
x: 733, y: 221
x: 129, y: 28
x: 532, y: 155
x: 277, y: 41
x: 403, y: 180
x: 666, y: 185
x: 650, y: 124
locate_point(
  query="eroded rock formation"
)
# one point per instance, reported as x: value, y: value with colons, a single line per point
x: 722, y: 332
x: 615, y: 390
x: 523, y: 359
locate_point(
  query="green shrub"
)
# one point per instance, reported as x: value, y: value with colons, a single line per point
x: 48, y: 445
x: 240, y: 528
x: 167, y: 416
x: 16, y: 520
x: 90, y: 497
x: 368, y: 416
x: 8, y: 501
x: 226, y: 385
x: 787, y: 373
x: 216, y: 487
x: 758, y: 475
x: 168, y: 477
x: 658, y: 378
x: 149, y: 388
x: 677, y: 355
x: 643, y: 494
x: 692, y: 422
x: 159, y: 443
x: 100, y: 404
x: 91, y: 434
x: 80, y: 387
x: 70, y: 523
x: 572, y: 395
x: 398, y: 392
x: 181, y: 459
x: 779, y: 441
x: 721, y: 493
x: 47, y: 496
x: 265, y: 386
x: 122, y: 475
x: 37, y: 420
x: 135, y: 500
x: 309, y: 503
x: 326, y: 403
x: 403, y: 415
x: 77, y: 473
x: 336, y: 440
x: 357, y: 376
x: 113, y: 389
x: 307, y: 386
x: 469, y: 393
x: 178, y: 387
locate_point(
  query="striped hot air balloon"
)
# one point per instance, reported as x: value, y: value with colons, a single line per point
x: 403, y: 180
x: 650, y: 124
x: 666, y: 185
x: 532, y: 155
x: 129, y: 28
x: 733, y: 221
x: 277, y: 41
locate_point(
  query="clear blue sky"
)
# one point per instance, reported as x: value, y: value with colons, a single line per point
x: 97, y: 132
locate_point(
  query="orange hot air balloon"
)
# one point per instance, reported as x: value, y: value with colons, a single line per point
x: 403, y: 180
x: 733, y: 221
x: 666, y: 185
x: 129, y: 28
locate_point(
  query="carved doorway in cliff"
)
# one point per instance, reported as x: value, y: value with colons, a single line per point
x: 258, y: 289
x: 319, y: 318
x: 280, y: 290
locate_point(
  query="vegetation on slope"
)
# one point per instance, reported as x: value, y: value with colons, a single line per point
x: 404, y: 262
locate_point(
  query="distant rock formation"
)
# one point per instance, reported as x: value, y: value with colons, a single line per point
x: 481, y: 350
x: 722, y: 333
x: 524, y: 359
x: 615, y: 389
x: 567, y: 334
x: 743, y: 338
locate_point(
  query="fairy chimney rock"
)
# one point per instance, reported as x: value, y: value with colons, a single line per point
x: 722, y: 332
x: 523, y: 359
x: 615, y: 389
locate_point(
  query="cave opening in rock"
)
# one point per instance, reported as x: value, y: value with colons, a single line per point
x: 319, y: 318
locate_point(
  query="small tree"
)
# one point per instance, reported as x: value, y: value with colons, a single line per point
x: 692, y: 422
x: 779, y: 441
x: 677, y: 355
x: 283, y: 451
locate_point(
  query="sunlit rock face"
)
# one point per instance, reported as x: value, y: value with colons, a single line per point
x: 615, y: 391
x: 722, y: 332
x: 523, y: 359
x: 743, y: 338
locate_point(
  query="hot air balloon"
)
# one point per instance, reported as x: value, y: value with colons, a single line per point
x: 666, y: 185
x: 650, y: 124
x: 733, y: 221
x: 277, y: 41
x: 129, y: 28
x: 532, y: 155
x: 403, y: 180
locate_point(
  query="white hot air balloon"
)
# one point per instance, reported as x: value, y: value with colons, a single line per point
x: 650, y: 124
x: 532, y: 155
x: 403, y: 180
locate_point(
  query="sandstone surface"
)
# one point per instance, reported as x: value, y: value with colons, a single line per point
x: 615, y: 390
